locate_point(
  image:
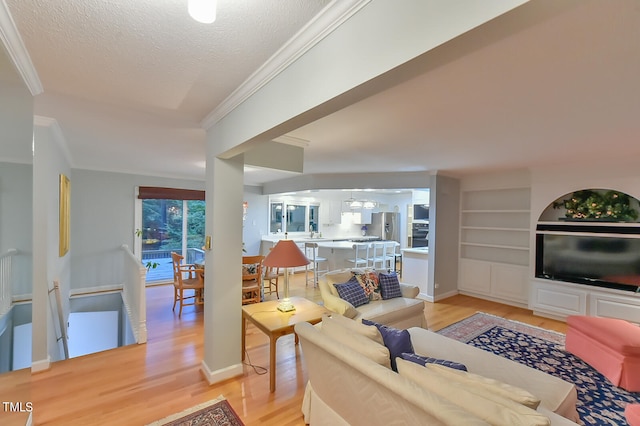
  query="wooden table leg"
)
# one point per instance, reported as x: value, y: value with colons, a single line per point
x: 272, y: 363
x: 244, y: 332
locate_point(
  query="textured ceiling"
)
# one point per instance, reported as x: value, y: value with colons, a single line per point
x: 149, y: 54
x: 130, y: 81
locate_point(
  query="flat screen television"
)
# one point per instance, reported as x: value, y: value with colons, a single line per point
x: 598, y: 260
x: 420, y: 212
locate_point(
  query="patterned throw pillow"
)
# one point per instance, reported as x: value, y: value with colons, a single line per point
x: 352, y: 292
x: 249, y: 269
x: 369, y: 282
x: 396, y: 340
x: 389, y: 285
x: 422, y: 360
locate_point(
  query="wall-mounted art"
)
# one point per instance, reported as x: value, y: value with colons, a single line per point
x: 65, y: 210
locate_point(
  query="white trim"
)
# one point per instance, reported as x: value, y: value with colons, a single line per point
x: 53, y: 125
x: 42, y: 365
x: 93, y: 291
x: 17, y: 51
x: 323, y: 24
x: 290, y: 140
x: 218, y: 376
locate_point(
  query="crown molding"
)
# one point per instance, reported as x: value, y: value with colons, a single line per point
x: 53, y: 125
x: 17, y: 51
x: 325, y: 22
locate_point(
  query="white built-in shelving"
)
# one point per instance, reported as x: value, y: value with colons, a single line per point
x: 494, y: 243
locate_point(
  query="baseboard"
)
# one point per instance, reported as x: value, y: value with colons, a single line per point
x: 445, y: 295
x: 42, y: 365
x: 424, y: 296
x: 218, y: 376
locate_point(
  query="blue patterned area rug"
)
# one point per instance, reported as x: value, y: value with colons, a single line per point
x: 599, y: 402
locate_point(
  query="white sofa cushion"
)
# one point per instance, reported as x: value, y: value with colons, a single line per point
x: 369, y: 331
x: 486, y: 384
x: 363, y: 345
x: 555, y: 394
x: 494, y: 409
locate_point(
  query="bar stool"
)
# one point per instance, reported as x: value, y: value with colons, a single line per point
x: 391, y: 254
x: 378, y: 258
x: 360, y: 255
x: 311, y: 251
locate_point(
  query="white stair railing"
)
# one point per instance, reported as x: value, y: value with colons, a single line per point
x: 133, y: 294
x: 6, y: 280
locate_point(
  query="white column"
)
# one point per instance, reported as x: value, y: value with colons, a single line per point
x: 223, y: 282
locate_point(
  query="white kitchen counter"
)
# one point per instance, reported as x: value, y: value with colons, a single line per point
x: 274, y: 238
x: 415, y: 268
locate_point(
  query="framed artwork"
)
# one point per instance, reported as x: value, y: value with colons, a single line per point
x: 65, y: 210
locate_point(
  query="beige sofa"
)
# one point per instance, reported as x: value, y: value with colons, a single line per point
x: 400, y: 312
x: 350, y: 384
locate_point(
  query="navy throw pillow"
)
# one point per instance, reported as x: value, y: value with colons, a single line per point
x: 396, y: 340
x: 352, y: 292
x: 423, y: 360
x: 389, y: 285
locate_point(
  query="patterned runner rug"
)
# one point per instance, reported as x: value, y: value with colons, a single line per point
x: 212, y: 413
x: 599, y: 402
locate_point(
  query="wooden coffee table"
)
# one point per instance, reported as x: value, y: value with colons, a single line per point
x: 273, y: 323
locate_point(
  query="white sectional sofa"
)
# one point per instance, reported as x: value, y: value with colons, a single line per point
x: 350, y: 383
x: 400, y: 312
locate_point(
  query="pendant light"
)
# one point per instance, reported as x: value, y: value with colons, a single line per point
x: 203, y: 11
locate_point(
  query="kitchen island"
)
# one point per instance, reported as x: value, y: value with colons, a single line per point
x: 415, y: 268
x: 335, y: 249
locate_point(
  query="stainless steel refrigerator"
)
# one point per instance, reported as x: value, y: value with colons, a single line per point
x: 385, y: 226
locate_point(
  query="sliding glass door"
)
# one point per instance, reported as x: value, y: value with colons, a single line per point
x: 171, y: 225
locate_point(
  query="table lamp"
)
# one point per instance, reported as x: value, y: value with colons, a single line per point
x: 286, y: 254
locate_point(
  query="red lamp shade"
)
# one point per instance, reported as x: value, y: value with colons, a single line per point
x: 285, y: 254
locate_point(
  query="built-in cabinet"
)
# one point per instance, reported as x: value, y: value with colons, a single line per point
x: 559, y: 300
x: 587, y: 265
x: 494, y: 244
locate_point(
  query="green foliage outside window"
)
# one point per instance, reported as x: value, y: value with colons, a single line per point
x: 162, y: 224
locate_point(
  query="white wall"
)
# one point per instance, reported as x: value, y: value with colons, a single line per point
x: 16, y: 182
x: 102, y: 217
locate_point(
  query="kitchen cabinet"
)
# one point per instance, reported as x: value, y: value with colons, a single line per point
x: 357, y: 217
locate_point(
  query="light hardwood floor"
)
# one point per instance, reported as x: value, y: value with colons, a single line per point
x: 137, y: 384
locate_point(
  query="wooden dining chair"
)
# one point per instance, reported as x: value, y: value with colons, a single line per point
x: 251, y: 279
x: 270, y: 280
x: 186, y: 277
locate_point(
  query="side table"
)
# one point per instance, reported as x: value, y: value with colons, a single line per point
x: 275, y: 324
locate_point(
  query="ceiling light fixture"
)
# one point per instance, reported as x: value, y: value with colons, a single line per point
x: 202, y: 10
